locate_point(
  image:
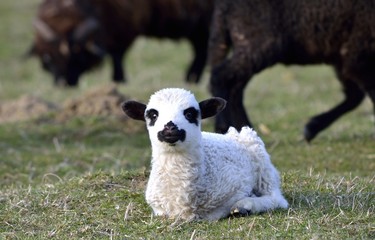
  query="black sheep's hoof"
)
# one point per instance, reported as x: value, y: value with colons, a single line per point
x: 119, y: 80
x: 308, y: 134
x: 312, y: 128
x: 240, y: 212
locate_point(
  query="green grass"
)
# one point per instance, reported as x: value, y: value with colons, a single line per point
x: 85, y: 178
x: 103, y: 205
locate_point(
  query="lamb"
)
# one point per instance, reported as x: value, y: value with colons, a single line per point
x: 248, y: 36
x: 200, y: 175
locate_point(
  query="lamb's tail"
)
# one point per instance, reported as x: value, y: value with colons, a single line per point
x: 247, y: 136
x: 250, y: 139
x: 250, y: 136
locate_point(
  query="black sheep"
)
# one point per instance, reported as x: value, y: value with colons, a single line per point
x: 248, y: 36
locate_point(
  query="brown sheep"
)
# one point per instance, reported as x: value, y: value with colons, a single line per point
x: 73, y: 36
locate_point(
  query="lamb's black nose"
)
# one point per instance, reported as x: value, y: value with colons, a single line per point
x: 171, y: 134
x: 170, y: 126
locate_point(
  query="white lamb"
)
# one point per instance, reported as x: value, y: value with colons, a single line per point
x: 200, y: 175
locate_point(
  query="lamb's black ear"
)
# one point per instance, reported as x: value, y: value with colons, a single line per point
x: 135, y: 110
x: 211, y: 106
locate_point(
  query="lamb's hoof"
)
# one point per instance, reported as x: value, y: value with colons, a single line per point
x: 240, y: 212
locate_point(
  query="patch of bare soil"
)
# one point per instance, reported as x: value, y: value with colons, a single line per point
x: 98, y: 102
x: 26, y: 107
x: 104, y: 101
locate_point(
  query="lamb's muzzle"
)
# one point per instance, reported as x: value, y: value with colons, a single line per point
x: 171, y: 134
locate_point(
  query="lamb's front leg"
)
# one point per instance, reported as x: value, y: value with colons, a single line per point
x: 255, y: 204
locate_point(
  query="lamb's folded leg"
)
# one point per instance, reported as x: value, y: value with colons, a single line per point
x: 251, y: 205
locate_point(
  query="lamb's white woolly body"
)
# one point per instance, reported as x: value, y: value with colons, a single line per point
x: 207, y: 175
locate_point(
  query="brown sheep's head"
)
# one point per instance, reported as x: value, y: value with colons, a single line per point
x: 66, y: 43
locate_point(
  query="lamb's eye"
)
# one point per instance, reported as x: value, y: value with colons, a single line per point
x: 191, y: 114
x: 152, y: 114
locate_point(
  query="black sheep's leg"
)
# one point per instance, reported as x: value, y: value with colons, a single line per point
x: 221, y: 78
x: 219, y: 86
x: 353, y: 97
x: 196, y: 68
x: 371, y: 94
x: 118, y: 70
x: 236, y: 106
x: 229, y: 84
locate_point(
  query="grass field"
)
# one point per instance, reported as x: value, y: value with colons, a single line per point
x: 85, y: 178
